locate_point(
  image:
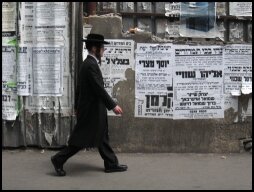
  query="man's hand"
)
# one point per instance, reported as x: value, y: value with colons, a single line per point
x: 117, y: 110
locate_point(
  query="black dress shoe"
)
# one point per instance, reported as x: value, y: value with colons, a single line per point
x: 58, y: 168
x: 116, y: 168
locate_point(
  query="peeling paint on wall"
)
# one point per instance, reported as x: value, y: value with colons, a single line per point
x: 172, y: 29
x: 221, y: 29
x: 249, y: 109
x: 230, y: 102
x: 220, y: 8
x: 236, y: 31
x: 246, y: 109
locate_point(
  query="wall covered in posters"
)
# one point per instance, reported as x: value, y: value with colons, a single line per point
x: 180, y: 81
x: 44, y: 125
x: 190, y: 82
x: 172, y: 81
x: 238, y: 69
x: 35, y: 57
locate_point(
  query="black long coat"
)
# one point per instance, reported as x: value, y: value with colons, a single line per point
x: 91, y: 103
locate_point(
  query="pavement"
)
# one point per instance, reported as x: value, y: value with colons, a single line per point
x: 31, y: 169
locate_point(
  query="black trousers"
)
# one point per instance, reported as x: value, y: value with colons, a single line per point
x: 106, y: 152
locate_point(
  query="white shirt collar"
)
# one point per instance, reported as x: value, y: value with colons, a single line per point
x: 94, y: 57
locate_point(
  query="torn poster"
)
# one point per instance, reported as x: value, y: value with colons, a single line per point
x: 240, y: 8
x: 47, y: 71
x: 198, y: 82
x: 230, y: 102
x: 153, y: 81
x: 237, y: 60
x: 43, y: 104
x: 221, y: 30
x: 9, y: 105
x: 198, y: 19
x: 172, y: 29
x: 235, y: 31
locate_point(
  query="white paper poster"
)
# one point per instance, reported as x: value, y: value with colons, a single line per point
x: 8, y: 16
x: 9, y: 85
x: 9, y: 105
x: 50, y: 22
x: 153, y: 81
x: 8, y: 22
x: 237, y: 60
x: 118, y: 56
x: 198, y: 82
x: 240, y: 8
x: 47, y: 67
x: 24, y: 71
x: 26, y: 22
x: 9, y: 79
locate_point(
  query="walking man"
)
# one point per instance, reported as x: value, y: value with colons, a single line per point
x: 91, y: 104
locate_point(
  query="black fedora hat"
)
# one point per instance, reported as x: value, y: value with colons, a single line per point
x: 95, y: 38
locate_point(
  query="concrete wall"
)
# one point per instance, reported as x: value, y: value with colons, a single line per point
x: 128, y: 133
x: 131, y: 134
